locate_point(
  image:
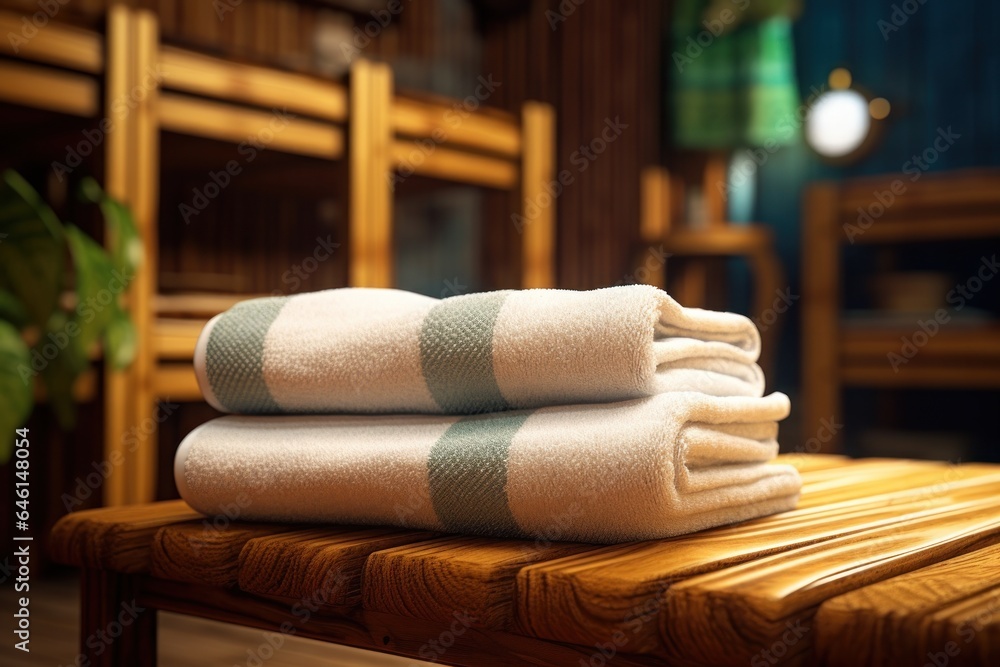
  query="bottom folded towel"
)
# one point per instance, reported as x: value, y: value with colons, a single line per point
x: 636, y: 470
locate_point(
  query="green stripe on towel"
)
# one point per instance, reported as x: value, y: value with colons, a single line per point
x: 234, y: 360
x: 467, y: 469
x: 456, y: 353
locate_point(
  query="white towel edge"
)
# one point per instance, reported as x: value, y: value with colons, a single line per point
x: 201, y: 368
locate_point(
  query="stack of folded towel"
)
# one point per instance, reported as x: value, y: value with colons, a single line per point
x: 605, y: 416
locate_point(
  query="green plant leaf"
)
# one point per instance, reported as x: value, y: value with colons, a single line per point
x: 126, y: 246
x: 64, y: 362
x: 59, y: 377
x: 32, y: 255
x: 120, y: 340
x: 11, y: 309
x: 128, y: 250
x: 91, y: 191
x: 97, y: 289
x: 58, y: 340
x: 15, y: 389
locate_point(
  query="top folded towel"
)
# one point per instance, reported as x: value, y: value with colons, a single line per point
x: 364, y: 350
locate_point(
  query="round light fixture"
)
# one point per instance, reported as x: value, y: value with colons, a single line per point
x: 843, y: 122
x: 838, y: 123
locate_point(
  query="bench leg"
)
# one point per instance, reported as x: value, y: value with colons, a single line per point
x: 114, y: 628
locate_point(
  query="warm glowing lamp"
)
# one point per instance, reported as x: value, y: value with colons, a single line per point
x: 844, y: 122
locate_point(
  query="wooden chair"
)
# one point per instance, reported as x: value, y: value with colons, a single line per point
x: 693, y: 251
x: 881, y: 563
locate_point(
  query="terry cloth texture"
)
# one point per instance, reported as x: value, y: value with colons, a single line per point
x: 357, y: 350
x: 634, y: 470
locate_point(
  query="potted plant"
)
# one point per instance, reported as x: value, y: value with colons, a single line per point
x: 46, y: 331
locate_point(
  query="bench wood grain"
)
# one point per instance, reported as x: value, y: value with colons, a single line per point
x: 730, y: 616
x: 878, y: 554
x: 948, y: 612
x: 325, y: 564
x: 620, y: 588
x: 117, y: 539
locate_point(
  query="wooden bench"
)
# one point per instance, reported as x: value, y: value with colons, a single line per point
x: 884, y: 562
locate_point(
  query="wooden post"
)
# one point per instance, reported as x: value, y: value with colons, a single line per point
x: 144, y: 130
x: 716, y: 167
x: 117, y: 393
x: 132, y: 175
x: 656, y: 215
x: 820, y: 312
x: 370, y: 168
x: 538, y: 147
x: 692, y: 285
x: 114, y: 628
x: 768, y: 276
x: 657, y: 212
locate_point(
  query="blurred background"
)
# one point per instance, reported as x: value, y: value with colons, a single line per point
x: 827, y: 167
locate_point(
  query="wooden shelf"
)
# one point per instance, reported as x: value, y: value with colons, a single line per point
x: 963, y: 189
x: 198, y: 305
x: 915, y: 376
x: 958, y: 355
x: 49, y: 89
x: 192, y: 72
x: 175, y: 339
x: 55, y: 44
x: 837, y: 352
x: 175, y: 335
x: 176, y: 382
x: 453, y: 165
x: 943, y: 206
x: 719, y: 240
x: 227, y: 122
x: 954, y: 341
x: 488, y: 132
x: 930, y: 229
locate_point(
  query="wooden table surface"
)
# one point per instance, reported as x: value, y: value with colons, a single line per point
x: 884, y: 562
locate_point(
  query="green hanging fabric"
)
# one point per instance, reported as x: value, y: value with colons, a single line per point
x: 733, y: 76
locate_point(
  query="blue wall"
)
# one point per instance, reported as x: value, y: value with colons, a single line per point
x: 940, y: 68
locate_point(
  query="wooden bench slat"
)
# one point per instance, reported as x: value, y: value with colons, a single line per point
x: 431, y: 581
x: 117, y: 539
x: 589, y: 597
x: 805, y: 462
x: 476, y: 576
x: 731, y: 616
x: 821, y: 488
x: 903, y: 619
x: 977, y: 620
x: 324, y: 564
x: 202, y: 552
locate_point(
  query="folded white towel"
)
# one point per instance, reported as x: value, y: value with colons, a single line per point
x: 635, y: 470
x: 359, y: 350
